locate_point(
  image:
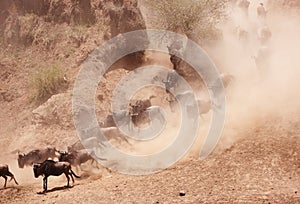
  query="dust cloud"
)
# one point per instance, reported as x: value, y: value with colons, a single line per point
x: 254, y: 94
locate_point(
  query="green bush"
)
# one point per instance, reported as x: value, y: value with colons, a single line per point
x: 46, y: 82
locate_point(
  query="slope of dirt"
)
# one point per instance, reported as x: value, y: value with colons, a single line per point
x: 256, y: 161
x: 263, y: 167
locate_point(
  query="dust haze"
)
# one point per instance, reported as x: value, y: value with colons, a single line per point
x: 253, y: 97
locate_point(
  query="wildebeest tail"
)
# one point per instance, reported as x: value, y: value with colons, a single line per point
x: 72, y: 172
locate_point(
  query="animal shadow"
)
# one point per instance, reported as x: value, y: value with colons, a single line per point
x: 8, y: 187
x: 55, y: 189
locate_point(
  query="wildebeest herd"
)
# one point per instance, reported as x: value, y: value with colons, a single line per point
x: 50, y: 162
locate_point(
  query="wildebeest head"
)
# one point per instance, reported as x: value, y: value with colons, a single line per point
x: 62, y: 155
x: 52, y: 151
x: 36, y: 170
x: 21, y: 161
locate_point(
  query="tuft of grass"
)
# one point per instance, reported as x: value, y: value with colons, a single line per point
x: 47, y: 81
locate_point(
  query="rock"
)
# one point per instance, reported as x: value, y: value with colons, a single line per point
x: 56, y: 110
x: 125, y: 16
x: 182, y: 193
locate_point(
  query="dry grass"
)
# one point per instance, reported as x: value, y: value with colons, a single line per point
x: 47, y: 81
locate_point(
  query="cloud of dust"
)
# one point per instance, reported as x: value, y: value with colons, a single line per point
x: 253, y: 96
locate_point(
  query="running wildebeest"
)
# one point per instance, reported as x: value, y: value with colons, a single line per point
x: 87, y: 143
x: 137, y: 109
x: 204, y: 106
x: 52, y: 168
x: 36, y: 156
x: 155, y: 113
x: 76, y: 158
x: 4, y: 172
x: 262, y: 60
x: 264, y: 35
x: 226, y: 80
x: 123, y: 117
x: 113, y: 133
x: 175, y: 51
x: 141, y: 105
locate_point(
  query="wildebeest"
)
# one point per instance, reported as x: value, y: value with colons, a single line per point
x: 264, y: 34
x: 76, y: 158
x: 155, y: 113
x: 244, y: 6
x: 262, y: 60
x: 204, y: 106
x: 53, y: 168
x: 138, y: 108
x: 113, y: 133
x: 141, y: 105
x: 4, y: 172
x: 175, y: 60
x: 87, y: 143
x: 36, y: 156
x: 261, y: 11
x: 172, y: 80
x: 242, y: 34
x: 123, y: 117
x: 226, y: 80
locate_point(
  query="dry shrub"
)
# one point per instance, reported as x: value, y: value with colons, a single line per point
x: 46, y: 82
x: 192, y: 17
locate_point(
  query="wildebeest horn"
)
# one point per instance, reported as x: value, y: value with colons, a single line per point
x: 21, y: 154
x: 62, y: 152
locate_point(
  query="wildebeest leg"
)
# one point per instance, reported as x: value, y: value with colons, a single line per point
x: 15, y: 180
x: 45, y: 183
x: 5, y: 180
x: 68, y: 178
x: 168, y: 86
x: 77, y: 168
x: 93, y: 161
x: 80, y: 167
x: 72, y: 177
x: 12, y: 177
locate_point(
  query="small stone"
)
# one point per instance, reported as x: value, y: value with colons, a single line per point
x: 181, y: 193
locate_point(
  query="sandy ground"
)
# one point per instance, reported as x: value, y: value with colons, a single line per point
x: 263, y: 167
x: 256, y: 161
